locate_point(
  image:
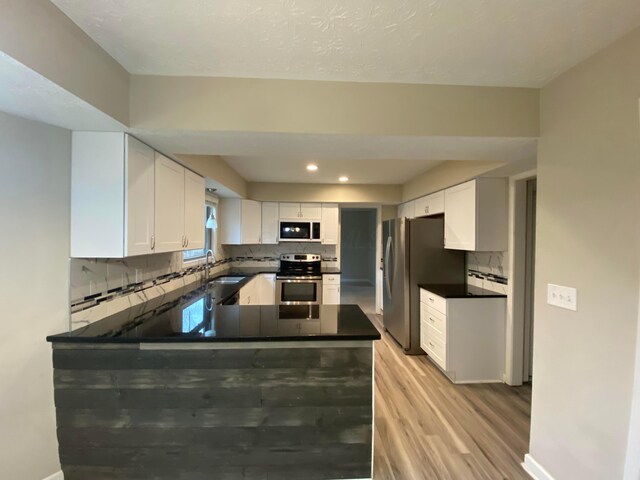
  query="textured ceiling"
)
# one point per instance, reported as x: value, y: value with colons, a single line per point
x: 480, y: 42
x: 276, y: 157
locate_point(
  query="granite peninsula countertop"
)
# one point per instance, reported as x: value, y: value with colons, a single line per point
x: 193, y: 314
x: 460, y: 290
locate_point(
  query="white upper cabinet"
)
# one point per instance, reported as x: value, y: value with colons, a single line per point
x: 193, y: 210
x: 128, y: 200
x: 139, y: 198
x: 311, y: 211
x: 407, y: 210
x: 432, y: 204
x: 329, y: 226
x: 475, y: 216
x: 170, y: 205
x: 305, y: 211
x: 240, y: 222
x: 270, y: 217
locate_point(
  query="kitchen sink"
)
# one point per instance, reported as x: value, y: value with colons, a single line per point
x: 228, y: 280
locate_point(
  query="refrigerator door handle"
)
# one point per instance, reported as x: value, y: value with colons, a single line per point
x: 387, y: 274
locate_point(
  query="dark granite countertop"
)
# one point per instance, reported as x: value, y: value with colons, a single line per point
x: 460, y: 290
x: 331, y: 270
x: 193, y: 314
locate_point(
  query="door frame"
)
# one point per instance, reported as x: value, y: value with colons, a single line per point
x: 514, y: 348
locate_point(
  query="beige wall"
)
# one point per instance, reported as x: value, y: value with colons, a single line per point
x: 588, y: 236
x: 215, y: 168
x: 446, y: 175
x: 296, y: 106
x: 314, y: 192
x: 389, y: 212
x: 40, y: 36
x: 34, y: 208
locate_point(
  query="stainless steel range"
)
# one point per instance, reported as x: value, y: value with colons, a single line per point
x: 299, y: 280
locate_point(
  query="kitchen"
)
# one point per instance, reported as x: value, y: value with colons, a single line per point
x: 255, y: 300
x: 222, y: 216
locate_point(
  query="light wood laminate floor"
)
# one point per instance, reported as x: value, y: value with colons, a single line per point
x: 428, y: 428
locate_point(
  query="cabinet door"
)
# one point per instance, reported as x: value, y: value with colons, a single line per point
x: 430, y: 205
x: 193, y: 210
x: 311, y: 211
x: 460, y: 217
x: 329, y: 226
x: 139, y: 198
x: 267, y: 287
x: 251, y: 222
x: 270, y: 217
x: 407, y: 210
x: 289, y: 210
x: 169, y: 203
x: 331, y: 294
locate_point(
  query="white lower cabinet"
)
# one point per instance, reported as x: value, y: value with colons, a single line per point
x: 464, y: 336
x: 267, y: 288
x: 250, y: 293
x: 331, y: 289
x: 260, y: 290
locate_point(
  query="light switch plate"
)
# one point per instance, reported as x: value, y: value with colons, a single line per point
x: 563, y: 297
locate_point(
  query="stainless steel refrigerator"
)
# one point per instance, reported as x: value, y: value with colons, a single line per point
x: 414, y: 253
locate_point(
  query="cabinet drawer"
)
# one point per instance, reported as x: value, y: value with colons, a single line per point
x: 434, y: 318
x: 433, y: 347
x: 433, y: 301
x: 331, y: 279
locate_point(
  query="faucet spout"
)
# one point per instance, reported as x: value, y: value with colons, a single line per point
x: 207, y: 265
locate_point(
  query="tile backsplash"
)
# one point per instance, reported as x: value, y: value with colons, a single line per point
x: 273, y: 252
x: 488, y: 270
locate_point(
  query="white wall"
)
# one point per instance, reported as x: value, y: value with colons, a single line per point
x: 588, y: 236
x: 34, y: 209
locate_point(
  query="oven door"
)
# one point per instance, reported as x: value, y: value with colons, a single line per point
x: 298, y: 291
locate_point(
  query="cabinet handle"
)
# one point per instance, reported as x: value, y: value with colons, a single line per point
x: 432, y: 320
x: 431, y: 344
x: 187, y: 240
x: 153, y: 242
x: 426, y: 209
x: 432, y: 299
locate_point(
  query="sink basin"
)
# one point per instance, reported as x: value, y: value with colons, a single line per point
x: 228, y: 280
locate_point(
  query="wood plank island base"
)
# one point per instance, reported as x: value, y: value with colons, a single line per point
x: 224, y: 406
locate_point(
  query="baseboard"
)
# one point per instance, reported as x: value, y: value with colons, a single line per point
x: 56, y: 476
x: 534, y: 469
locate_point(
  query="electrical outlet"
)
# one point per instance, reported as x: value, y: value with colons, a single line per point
x: 563, y: 297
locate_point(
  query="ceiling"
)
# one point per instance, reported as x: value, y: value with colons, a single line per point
x: 489, y: 42
x: 282, y: 157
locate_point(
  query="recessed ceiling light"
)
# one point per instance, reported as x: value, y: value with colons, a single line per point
x: 312, y: 167
x: 344, y: 179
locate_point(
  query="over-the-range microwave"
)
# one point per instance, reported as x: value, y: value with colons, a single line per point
x: 291, y: 231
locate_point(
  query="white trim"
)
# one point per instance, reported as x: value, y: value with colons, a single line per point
x: 534, y: 469
x: 514, y: 334
x: 56, y: 476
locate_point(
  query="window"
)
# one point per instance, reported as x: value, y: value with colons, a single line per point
x: 210, y: 208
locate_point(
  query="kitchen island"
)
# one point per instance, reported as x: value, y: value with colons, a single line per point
x: 194, y: 390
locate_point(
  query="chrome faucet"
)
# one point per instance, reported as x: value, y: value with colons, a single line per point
x: 207, y: 265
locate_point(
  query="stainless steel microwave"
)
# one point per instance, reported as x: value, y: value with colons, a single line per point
x: 299, y: 231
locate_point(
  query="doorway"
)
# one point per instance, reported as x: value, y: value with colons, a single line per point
x: 358, y: 257
x: 529, y: 295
